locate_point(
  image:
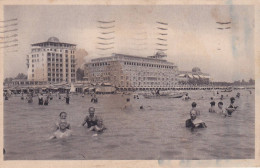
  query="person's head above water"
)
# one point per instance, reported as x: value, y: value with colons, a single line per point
x: 63, y: 115
x: 232, y: 99
x: 128, y: 99
x: 193, y: 114
x: 63, y: 126
x: 194, y: 104
x: 91, y: 111
x: 212, y: 103
x: 220, y: 104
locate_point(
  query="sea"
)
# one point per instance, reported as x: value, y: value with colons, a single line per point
x: 156, y: 132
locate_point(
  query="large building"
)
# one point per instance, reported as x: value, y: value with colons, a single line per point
x: 132, y: 72
x: 52, y: 61
x: 193, y: 77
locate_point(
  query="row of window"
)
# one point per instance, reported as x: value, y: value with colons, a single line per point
x: 52, y: 49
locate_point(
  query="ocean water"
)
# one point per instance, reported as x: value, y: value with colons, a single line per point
x: 156, y: 133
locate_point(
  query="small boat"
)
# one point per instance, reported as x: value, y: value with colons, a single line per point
x: 177, y: 95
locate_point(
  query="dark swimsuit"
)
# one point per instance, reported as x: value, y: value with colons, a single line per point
x: 189, y: 124
x: 91, y: 121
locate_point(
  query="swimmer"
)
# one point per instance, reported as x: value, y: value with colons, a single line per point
x: 220, y: 109
x: 238, y: 95
x: 212, y: 108
x: 99, y: 127
x: 221, y: 97
x: 186, y: 97
x: 231, y: 108
x: 67, y: 98
x: 63, y: 132
x: 194, y: 122
x: 128, y: 105
x: 91, y: 119
x: 194, y: 107
x: 40, y: 99
x: 63, y: 118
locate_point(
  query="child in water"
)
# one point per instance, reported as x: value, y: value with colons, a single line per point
x: 63, y: 118
x: 220, y: 109
x: 63, y: 131
x: 99, y: 127
x: 212, y: 108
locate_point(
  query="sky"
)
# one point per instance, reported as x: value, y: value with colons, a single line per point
x: 193, y: 37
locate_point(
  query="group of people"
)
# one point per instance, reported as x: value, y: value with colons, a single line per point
x: 63, y: 128
x: 195, y: 122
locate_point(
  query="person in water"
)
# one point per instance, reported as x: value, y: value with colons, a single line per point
x: 186, y: 97
x: 231, y: 108
x: 91, y: 119
x: 220, y: 109
x: 100, y: 127
x: 29, y: 98
x: 238, y: 95
x: 194, y: 107
x: 63, y: 118
x: 194, y: 122
x: 40, y: 98
x: 221, y: 97
x: 128, y: 105
x: 62, y: 132
x: 212, y: 108
x: 67, y: 98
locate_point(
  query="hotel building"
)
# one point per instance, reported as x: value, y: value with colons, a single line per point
x: 52, y: 61
x: 128, y: 72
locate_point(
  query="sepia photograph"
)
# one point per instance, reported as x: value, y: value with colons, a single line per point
x: 128, y: 82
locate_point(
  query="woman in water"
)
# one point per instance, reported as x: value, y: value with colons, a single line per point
x: 62, y: 132
x: 63, y: 118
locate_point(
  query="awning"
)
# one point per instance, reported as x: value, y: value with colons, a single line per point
x: 196, y: 76
x: 190, y: 76
x: 182, y: 75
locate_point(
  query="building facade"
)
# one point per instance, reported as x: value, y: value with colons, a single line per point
x: 193, y: 77
x: 52, y: 61
x: 132, y: 72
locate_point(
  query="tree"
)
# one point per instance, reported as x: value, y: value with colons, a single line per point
x: 21, y: 76
x: 80, y: 74
x: 251, y: 81
x: 8, y: 80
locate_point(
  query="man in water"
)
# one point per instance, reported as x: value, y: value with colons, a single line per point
x: 194, y: 122
x: 91, y: 119
x: 231, y: 108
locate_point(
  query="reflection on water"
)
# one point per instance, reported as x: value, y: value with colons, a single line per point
x: 157, y: 132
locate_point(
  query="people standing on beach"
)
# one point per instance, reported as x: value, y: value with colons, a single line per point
x: 194, y: 122
x: 91, y: 119
x: 212, y: 108
x: 238, y: 95
x: 231, y: 108
x: 194, y: 107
